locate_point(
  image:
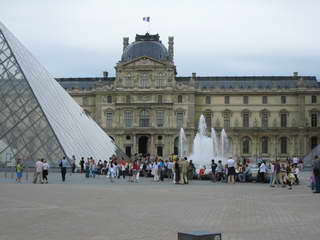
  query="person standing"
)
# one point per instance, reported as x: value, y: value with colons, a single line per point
x: 278, y: 174
x: 82, y: 165
x: 63, y: 166
x: 263, y: 171
x: 231, y: 170
x: 316, y: 173
x: 19, y: 170
x: 184, y: 171
x: 213, y: 170
x: 176, y: 171
x: 73, y: 164
x: 38, y: 172
x: 136, y: 169
x: 45, y: 171
x: 155, y: 170
x: 220, y: 171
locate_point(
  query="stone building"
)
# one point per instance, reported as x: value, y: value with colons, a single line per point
x: 146, y: 103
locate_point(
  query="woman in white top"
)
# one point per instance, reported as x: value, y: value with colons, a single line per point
x: 262, y: 171
x: 155, y: 173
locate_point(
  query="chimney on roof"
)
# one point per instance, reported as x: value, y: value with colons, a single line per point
x: 125, y: 42
x: 295, y: 74
x: 105, y: 74
x: 170, y: 48
x: 194, y: 76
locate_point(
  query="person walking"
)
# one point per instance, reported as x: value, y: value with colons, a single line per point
x: 112, y: 171
x: 63, y: 167
x: 136, y: 170
x: 45, y: 171
x: 38, y: 171
x: 316, y: 173
x: 219, y: 171
x: 155, y: 170
x: 19, y: 170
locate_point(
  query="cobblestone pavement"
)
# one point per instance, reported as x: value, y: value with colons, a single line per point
x: 98, y: 210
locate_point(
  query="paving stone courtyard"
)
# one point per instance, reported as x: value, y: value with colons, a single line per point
x: 99, y: 210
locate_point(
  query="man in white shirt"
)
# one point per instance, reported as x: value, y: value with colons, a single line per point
x: 38, y: 172
x: 231, y: 170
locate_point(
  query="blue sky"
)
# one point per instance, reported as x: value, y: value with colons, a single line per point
x: 82, y: 38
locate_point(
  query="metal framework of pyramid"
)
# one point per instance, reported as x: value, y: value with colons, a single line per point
x: 38, y: 118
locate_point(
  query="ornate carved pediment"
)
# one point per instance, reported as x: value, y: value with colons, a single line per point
x: 105, y: 87
x: 143, y: 61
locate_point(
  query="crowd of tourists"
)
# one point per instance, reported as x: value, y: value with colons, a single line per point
x: 181, y: 170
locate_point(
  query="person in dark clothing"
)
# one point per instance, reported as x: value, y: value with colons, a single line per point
x: 63, y: 165
x: 177, y: 171
x: 213, y: 170
x: 316, y: 173
x: 82, y: 165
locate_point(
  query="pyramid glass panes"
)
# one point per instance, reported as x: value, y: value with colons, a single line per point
x: 38, y: 118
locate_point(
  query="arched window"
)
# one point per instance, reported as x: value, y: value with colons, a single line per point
x: 314, y: 142
x: 246, y: 145
x: 245, y: 118
x: 179, y: 98
x: 264, y: 145
x: 208, y: 117
x: 208, y: 99
x: 283, y: 145
x: 264, y: 119
x: 144, y: 119
x: 159, y: 98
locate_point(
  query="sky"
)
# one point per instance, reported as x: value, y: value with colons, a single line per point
x: 83, y: 38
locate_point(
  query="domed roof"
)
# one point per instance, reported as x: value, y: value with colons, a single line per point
x: 146, y: 45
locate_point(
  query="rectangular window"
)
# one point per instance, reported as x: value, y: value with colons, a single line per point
x: 264, y: 100
x: 314, y: 119
x: 143, y: 80
x: 208, y: 100
x: 226, y: 99
x: 179, y: 119
x: 245, y: 119
x: 128, y: 118
x: 313, y: 99
x: 283, y: 120
x: 226, y: 119
x: 283, y: 99
x: 128, y: 81
x: 109, y: 119
x: 264, y: 120
x: 160, y: 118
x: 159, y: 80
x: 245, y: 99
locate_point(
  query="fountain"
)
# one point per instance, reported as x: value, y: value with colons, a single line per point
x: 205, y: 148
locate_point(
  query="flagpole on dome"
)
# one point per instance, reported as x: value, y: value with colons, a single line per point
x: 147, y: 19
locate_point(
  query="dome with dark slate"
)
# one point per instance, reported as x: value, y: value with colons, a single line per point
x: 146, y: 45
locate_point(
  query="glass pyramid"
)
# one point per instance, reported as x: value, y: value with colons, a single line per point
x: 38, y: 118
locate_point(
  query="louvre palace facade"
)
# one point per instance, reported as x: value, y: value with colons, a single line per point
x: 144, y: 106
